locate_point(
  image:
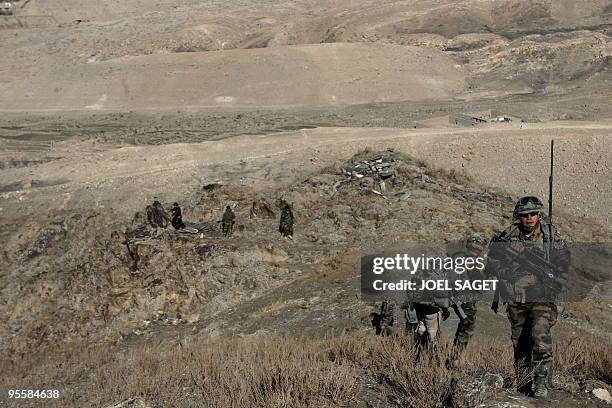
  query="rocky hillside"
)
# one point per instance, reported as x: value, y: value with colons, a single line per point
x: 88, y: 275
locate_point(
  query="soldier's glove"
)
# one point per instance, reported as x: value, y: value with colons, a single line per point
x: 445, y: 314
x: 495, y: 307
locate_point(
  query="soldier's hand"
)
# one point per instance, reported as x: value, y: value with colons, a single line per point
x: 445, y: 314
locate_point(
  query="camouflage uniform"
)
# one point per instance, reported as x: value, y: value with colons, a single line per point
x: 177, y: 216
x: 531, y: 322
x: 465, y: 328
x: 286, y: 219
x: 227, y: 222
x: 422, y: 322
x: 475, y: 246
x: 157, y: 216
x: 385, y: 319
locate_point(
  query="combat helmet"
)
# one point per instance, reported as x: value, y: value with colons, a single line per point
x: 527, y: 205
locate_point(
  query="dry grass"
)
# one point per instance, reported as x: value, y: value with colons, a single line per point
x: 287, y: 372
x: 580, y: 361
x: 229, y: 373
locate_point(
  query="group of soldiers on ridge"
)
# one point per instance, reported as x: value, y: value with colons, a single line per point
x: 157, y: 217
x: 532, y: 311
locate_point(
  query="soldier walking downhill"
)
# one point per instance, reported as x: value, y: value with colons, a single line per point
x: 531, y: 310
x: 156, y: 215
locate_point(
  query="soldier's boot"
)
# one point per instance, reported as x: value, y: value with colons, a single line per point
x: 550, y: 382
x: 539, y: 390
x: 541, y: 380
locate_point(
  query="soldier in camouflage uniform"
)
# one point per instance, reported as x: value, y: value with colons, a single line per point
x: 228, y: 221
x: 384, y: 321
x: 427, y: 329
x: 530, y: 321
x: 285, y: 226
x: 177, y: 216
x: 424, y: 315
x: 422, y: 322
x: 157, y: 216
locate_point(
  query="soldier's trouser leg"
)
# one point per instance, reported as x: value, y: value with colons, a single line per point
x: 520, y: 324
x: 432, y: 326
x: 544, y: 317
x: 386, y: 325
x: 427, y: 331
x: 465, y: 329
x: 387, y: 330
x: 410, y: 329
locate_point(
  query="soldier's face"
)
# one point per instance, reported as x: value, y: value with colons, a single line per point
x: 530, y: 220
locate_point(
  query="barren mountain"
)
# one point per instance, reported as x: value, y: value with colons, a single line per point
x: 506, y: 46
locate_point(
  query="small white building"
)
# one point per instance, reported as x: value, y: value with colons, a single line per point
x: 501, y: 119
x: 6, y: 8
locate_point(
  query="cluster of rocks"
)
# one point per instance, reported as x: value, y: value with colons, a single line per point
x: 159, y: 317
x: 373, y: 175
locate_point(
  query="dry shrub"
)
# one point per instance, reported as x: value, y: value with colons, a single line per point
x: 293, y: 372
x: 416, y: 383
x: 422, y: 382
x: 452, y: 175
x: 229, y: 373
x: 491, y: 355
x: 580, y: 359
x: 257, y: 372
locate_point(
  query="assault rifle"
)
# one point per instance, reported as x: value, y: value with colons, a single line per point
x: 531, y: 260
x: 456, y: 305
